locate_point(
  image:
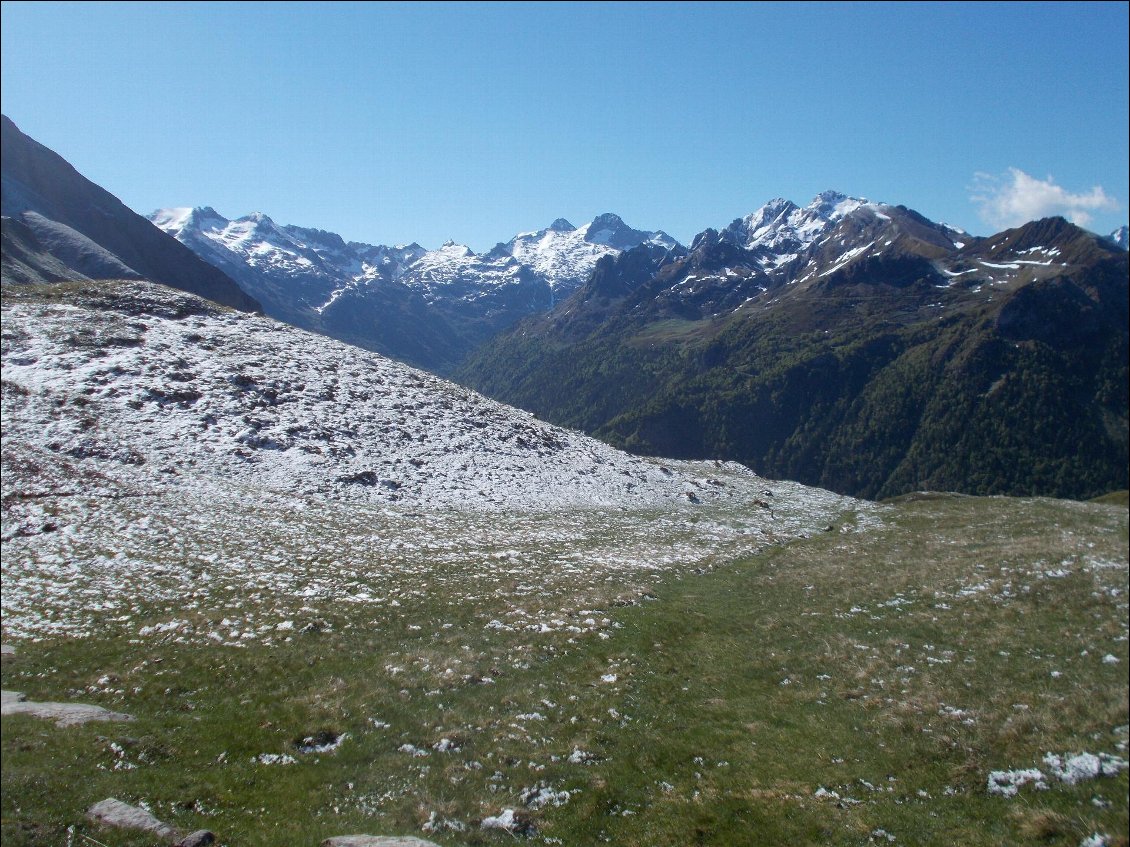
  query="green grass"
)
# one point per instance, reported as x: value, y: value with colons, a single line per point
x: 673, y: 330
x: 895, y: 667
x: 1114, y: 498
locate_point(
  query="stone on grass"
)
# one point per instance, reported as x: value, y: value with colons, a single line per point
x: 64, y: 714
x: 200, y: 838
x: 377, y: 841
x: 113, y: 812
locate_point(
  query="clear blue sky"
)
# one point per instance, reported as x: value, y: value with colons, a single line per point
x: 423, y: 122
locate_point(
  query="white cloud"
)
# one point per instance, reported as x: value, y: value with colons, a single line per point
x: 1016, y: 198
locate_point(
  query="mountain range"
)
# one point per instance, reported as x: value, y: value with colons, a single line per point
x: 427, y: 307
x: 852, y: 345
x: 846, y: 343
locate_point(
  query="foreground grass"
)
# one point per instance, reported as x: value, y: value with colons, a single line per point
x: 852, y: 687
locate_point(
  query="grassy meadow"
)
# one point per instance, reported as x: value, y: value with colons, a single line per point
x: 856, y: 686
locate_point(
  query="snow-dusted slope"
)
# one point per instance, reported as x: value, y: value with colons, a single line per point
x: 162, y: 455
x: 138, y: 376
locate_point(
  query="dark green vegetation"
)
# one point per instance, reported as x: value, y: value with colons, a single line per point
x: 1000, y: 368
x: 857, y: 685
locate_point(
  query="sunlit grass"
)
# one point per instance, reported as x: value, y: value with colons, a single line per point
x: 850, y: 687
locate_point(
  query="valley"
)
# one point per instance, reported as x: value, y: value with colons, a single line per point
x: 263, y: 579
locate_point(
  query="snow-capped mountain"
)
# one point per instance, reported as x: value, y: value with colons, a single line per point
x: 782, y: 244
x: 779, y: 232
x: 837, y: 239
x: 678, y: 356
x: 455, y: 272
x: 295, y: 271
x: 564, y: 255
x: 1120, y: 237
x: 357, y: 292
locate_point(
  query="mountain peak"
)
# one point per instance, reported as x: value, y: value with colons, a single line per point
x: 830, y: 196
x: 561, y: 225
x: 452, y: 249
x: 201, y: 216
x: 179, y: 219
x: 258, y: 218
x: 780, y: 230
x: 608, y: 219
x: 778, y: 204
x: 610, y: 230
x: 833, y: 205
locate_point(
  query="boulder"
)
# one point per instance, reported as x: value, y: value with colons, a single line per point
x: 112, y: 812
x: 377, y: 841
x: 64, y: 714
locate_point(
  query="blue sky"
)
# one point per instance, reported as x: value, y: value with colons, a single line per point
x: 390, y: 123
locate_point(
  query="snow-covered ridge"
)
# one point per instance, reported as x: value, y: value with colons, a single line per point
x: 564, y: 255
x: 780, y: 230
x: 455, y: 272
x: 322, y: 266
x: 168, y: 383
x: 316, y: 265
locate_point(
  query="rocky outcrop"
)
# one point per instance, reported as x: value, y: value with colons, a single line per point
x: 64, y: 714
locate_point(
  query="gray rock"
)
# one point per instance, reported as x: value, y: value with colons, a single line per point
x: 377, y: 841
x: 200, y: 838
x: 112, y: 812
x: 64, y: 714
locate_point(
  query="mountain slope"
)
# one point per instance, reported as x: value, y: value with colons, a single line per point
x: 888, y: 354
x: 88, y: 231
x: 25, y: 258
x: 127, y: 374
